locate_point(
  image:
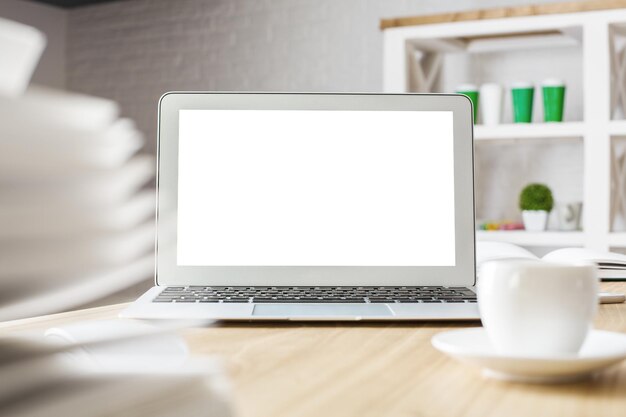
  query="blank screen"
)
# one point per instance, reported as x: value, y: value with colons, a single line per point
x: 315, y: 188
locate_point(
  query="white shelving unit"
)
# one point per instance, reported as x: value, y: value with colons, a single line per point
x: 413, y: 61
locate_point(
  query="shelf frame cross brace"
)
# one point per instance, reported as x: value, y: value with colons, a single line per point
x: 423, y: 69
x: 618, y: 70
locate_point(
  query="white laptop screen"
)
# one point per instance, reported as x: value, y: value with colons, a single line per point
x: 315, y: 188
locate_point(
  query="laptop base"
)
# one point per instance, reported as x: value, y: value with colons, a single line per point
x: 146, y: 308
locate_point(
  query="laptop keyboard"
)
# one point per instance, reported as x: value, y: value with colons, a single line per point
x: 205, y: 294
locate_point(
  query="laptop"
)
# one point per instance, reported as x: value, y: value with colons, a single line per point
x: 277, y: 206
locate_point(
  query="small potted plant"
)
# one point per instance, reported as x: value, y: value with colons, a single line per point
x: 536, y: 202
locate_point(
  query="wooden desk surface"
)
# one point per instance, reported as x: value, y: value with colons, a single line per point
x: 374, y: 370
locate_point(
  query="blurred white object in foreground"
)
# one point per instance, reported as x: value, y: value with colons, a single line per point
x: 76, y: 221
x: 110, y: 368
x: 76, y: 224
x: 20, y: 48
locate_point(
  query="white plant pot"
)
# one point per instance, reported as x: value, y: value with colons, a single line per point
x: 535, y: 220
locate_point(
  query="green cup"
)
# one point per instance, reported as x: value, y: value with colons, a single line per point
x: 471, y: 91
x: 553, y: 100
x: 522, y: 94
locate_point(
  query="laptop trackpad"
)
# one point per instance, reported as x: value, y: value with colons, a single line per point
x: 321, y: 310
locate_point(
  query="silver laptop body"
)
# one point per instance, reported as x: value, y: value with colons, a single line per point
x: 278, y: 206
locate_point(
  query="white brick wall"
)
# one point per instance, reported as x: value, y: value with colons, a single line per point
x: 133, y: 51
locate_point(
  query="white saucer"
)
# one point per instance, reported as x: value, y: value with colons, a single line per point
x: 601, y: 349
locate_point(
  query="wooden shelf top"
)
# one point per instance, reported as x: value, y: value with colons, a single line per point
x: 504, y: 12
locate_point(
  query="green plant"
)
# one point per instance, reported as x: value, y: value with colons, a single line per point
x: 536, y: 197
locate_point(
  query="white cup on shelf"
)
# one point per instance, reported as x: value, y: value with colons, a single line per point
x: 491, y: 103
x: 537, y: 309
x: 569, y: 214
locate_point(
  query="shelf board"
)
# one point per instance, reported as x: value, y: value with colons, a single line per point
x: 617, y: 239
x: 524, y: 238
x: 494, y: 43
x: 529, y: 131
x: 617, y: 127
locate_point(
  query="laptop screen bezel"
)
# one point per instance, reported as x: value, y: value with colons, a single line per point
x: 169, y: 273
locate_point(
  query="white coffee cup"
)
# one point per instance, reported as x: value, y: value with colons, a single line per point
x: 532, y: 308
x: 491, y: 103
